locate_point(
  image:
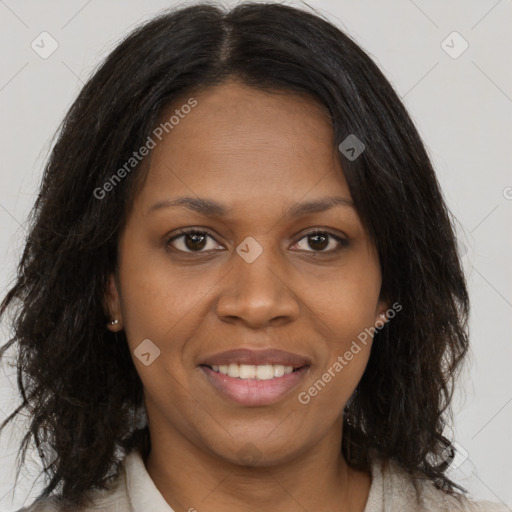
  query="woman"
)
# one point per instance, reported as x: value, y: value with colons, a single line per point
x: 241, y: 288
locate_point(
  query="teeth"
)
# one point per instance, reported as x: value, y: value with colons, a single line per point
x: 249, y: 371
x: 264, y: 372
x: 278, y: 370
x: 233, y: 370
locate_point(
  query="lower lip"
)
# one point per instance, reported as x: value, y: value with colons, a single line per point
x: 254, y: 392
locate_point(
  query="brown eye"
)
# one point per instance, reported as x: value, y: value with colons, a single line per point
x: 319, y: 241
x: 192, y: 241
x: 195, y: 241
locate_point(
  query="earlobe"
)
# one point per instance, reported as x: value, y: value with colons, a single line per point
x: 381, y: 320
x: 382, y: 317
x: 114, y: 325
x: 112, y: 306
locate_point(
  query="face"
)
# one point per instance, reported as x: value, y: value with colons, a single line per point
x: 267, y: 290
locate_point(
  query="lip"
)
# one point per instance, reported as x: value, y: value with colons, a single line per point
x: 254, y: 392
x: 257, y: 357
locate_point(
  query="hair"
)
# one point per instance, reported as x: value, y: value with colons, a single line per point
x: 77, y: 378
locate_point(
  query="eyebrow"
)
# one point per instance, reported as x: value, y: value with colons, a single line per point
x: 209, y: 207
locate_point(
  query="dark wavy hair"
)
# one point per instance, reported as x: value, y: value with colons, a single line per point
x: 78, y: 380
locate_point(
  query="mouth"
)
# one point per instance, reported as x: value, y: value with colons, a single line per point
x: 250, y: 371
x: 255, y: 378
x: 253, y: 392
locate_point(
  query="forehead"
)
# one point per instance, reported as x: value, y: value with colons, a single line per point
x: 241, y: 144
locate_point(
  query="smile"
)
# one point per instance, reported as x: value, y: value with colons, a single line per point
x: 254, y: 385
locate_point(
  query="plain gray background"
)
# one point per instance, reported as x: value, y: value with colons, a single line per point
x: 460, y: 100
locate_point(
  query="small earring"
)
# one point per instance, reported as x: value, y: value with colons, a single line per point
x: 383, y: 321
x: 113, y: 322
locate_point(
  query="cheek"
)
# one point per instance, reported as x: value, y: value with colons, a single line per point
x: 347, y: 303
x: 349, y: 352
x: 159, y: 299
x: 346, y: 312
x: 352, y: 329
x: 322, y: 401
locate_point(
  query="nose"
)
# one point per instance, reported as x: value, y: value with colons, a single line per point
x: 258, y: 294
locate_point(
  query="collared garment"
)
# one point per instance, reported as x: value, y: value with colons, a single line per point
x: 392, y: 490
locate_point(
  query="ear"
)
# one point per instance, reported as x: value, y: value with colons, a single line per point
x: 112, y: 305
x: 381, y: 313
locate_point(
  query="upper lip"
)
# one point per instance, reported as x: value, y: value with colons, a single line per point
x: 257, y: 357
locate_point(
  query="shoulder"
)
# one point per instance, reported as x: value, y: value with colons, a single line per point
x: 434, y: 499
x: 101, y: 500
x: 42, y: 505
x: 394, y: 489
x: 114, y: 499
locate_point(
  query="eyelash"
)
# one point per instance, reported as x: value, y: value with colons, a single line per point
x: 343, y: 242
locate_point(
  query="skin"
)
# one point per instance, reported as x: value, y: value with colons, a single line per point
x: 259, y: 154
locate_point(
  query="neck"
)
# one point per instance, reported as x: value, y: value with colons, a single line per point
x: 318, y: 479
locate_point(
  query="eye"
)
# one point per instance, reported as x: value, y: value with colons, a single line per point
x: 319, y: 241
x: 194, y: 240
